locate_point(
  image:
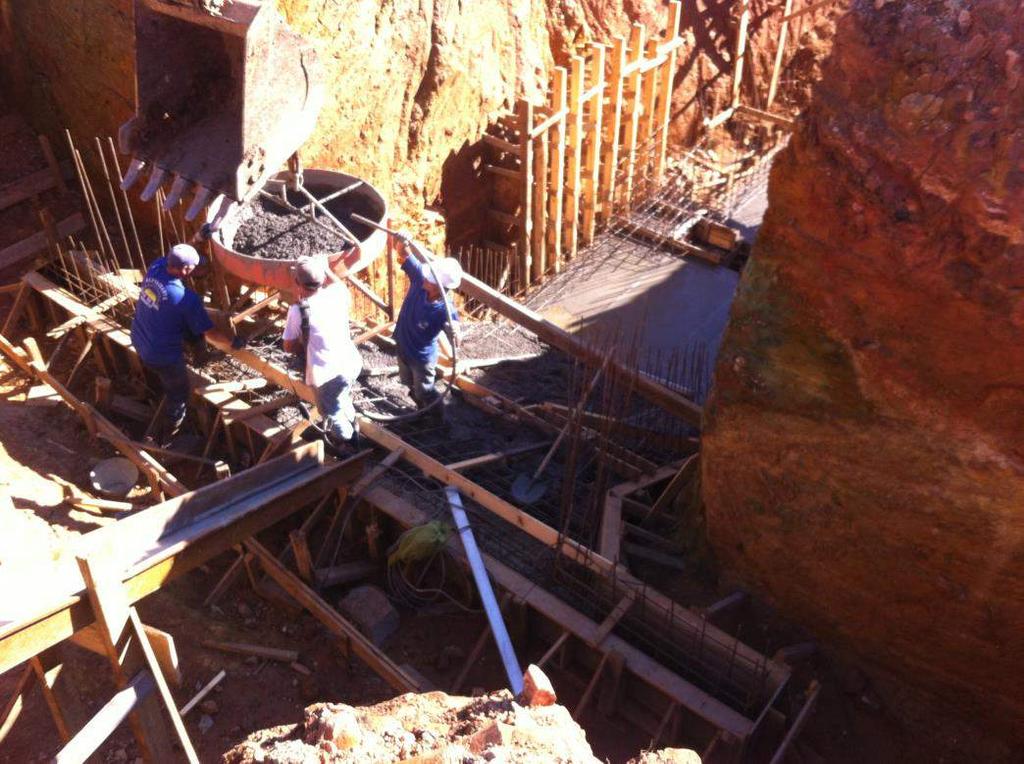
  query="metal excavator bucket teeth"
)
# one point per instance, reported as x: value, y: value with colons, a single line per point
x: 225, y: 93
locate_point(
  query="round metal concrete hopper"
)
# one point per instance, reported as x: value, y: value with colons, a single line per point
x: 274, y: 273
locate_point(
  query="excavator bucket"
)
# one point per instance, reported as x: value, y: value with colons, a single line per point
x: 225, y: 94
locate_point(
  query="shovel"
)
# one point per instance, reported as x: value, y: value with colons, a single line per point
x: 525, y: 488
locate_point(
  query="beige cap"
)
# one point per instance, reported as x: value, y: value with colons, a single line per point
x: 310, y: 272
x: 448, y: 271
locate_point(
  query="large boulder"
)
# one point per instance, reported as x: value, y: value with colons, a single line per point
x: 863, y: 461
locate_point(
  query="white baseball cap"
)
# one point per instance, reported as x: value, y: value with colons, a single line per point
x: 181, y: 255
x: 448, y: 271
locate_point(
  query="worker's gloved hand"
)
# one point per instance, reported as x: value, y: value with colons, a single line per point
x: 238, y: 342
x: 205, y: 233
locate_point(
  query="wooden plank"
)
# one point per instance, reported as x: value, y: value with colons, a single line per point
x: 613, y: 127
x: 16, y: 702
x: 663, y: 117
x: 556, y: 174
x: 808, y: 9
x: 47, y: 678
x: 524, y: 114
x: 504, y: 172
x: 592, y: 143
x: 588, y: 693
x: 502, y: 145
x: 110, y: 605
x: 375, y: 658
x: 37, y: 242
x: 634, y: 106
x: 674, y: 486
x: 267, y: 301
x: 107, y: 719
x: 612, y: 620
x: 573, y: 174
x: 780, y: 52
x: 25, y: 188
x: 242, y: 648
x: 648, y: 136
x: 51, y: 161
x: 611, y: 527
x: 300, y: 550
x: 555, y: 647
x: 738, y: 53
x: 538, y: 243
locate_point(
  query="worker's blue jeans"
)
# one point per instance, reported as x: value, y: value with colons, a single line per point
x: 176, y: 388
x: 334, y: 402
x: 419, y: 377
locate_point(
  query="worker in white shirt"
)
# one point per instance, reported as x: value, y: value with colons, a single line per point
x: 318, y: 324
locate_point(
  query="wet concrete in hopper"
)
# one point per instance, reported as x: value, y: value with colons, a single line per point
x: 269, y: 229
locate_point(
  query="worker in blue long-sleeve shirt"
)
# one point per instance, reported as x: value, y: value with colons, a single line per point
x: 420, y: 322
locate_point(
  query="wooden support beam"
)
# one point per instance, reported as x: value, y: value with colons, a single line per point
x: 390, y: 672
x: 592, y: 144
x: 611, y: 527
x: 502, y: 145
x: 666, y: 78
x: 556, y: 173
x: 674, y: 486
x: 25, y: 188
x: 780, y: 52
x: 538, y: 243
x: 807, y: 9
x: 478, y: 649
x: 261, y: 651
x: 123, y: 649
x: 504, y: 172
x: 739, y: 53
x: 649, y: 142
x: 47, y: 678
x: 107, y: 719
x: 267, y: 301
x: 634, y: 106
x: 524, y: 115
x: 570, y: 233
x: 16, y: 702
x: 300, y: 549
x: 612, y: 620
x: 555, y: 647
x: 37, y: 242
x: 613, y: 127
x: 588, y: 693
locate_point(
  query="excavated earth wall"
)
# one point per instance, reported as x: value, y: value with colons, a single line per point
x: 864, y: 446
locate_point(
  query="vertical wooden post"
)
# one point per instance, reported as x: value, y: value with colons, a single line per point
x: 574, y: 155
x: 741, y: 48
x: 539, y: 262
x: 613, y: 126
x: 636, y: 53
x: 648, y: 142
x: 592, y: 159
x: 668, y: 70
x: 110, y: 606
x: 524, y: 118
x: 572, y: 201
x: 556, y: 172
x: 779, y: 53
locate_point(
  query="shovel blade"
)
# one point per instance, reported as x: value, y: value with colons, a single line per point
x: 526, y: 490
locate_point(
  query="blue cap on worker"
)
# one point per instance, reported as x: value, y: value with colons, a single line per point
x: 182, y: 255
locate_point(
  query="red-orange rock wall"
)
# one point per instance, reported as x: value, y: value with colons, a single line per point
x: 864, y: 446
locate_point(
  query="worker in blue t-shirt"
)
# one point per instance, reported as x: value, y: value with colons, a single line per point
x: 422, y: 319
x: 168, y: 315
